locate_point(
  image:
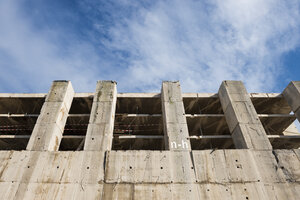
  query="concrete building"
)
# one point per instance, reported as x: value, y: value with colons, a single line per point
x: 169, y: 145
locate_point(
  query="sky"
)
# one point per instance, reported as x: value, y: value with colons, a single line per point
x: 141, y: 43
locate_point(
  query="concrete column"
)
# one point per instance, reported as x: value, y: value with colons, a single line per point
x: 245, y: 127
x: 176, y: 133
x: 101, y: 125
x: 48, y: 130
x: 292, y: 95
x: 175, y: 125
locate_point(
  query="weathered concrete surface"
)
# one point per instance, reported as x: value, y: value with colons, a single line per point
x: 292, y: 94
x: 226, y: 174
x: 176, y: 134
x: 101, y: 124
x: 175, y: 125
x: 244, y: 124
x: 48, y: 130
x: 97, y: 172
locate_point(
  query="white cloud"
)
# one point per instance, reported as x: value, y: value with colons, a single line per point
x: 199, y: 43
x: 31, y: 58
x: 202, y: 44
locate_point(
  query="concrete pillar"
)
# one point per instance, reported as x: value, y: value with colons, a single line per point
x: 101, y: 125
x: 48, y: 130
x: 176, y: 133
x: 245, y: 127
x: 292, y: 95
x: 175, y: 125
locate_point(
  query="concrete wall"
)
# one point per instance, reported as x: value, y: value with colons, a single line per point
x: 219, y: 174
x: 254, y: 171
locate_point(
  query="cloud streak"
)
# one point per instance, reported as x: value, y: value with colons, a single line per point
x: 202, y: 44
x: 199, y: 43
x: 32, y: 58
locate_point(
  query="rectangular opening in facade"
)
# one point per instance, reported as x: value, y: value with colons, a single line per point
x: 76, y: 125
x: 277, y: 119
x: 206, y: 123
x: 18, y: 116
x: 138, y: 124
x: 205, y: 103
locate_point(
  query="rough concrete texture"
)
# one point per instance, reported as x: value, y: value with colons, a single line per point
x: 175, y: 125
x: 101, y: 124
x: 252, y: 167
x: 48, y: 130
x: 219, y: 174
x: 242, y: 119
x: 292, y: 95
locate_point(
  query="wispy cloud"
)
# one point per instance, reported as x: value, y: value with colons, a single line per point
x: 199, y: 43
x: 202, y: 44
x: 31, y: 58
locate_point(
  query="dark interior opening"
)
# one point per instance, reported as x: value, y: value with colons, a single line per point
x: 18, y: 116
x: 138, y: 124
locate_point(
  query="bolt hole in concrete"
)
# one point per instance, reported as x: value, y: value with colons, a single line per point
x: 161, y: 167
x: 92, y: 138
x: 57, y: 167
x: 245, y: 189
x: 28, y: 166
x: 88, y: 167
x: 226, y: 189
x: 236, y: 160
x: 39, y: 138
x: 192, y: 167
x: 190, y: 190
x: 208, y: 190
x: 247, y: 198
x: 130, y: 167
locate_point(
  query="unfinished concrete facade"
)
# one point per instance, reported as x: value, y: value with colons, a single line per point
x: 169, y: 145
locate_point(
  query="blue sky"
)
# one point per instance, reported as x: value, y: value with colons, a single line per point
x: 139, y: 44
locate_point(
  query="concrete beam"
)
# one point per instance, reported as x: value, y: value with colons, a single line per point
x: 242, y: 119
x: 101, y: 125
x: 175, y: 125
x: 292, y: 95
x: 137, y: 95
x: 48, y: 130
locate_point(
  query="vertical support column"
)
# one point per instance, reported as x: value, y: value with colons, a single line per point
x: 245, y: 127
x: 176, y: 134
x: 48, y: 130
x: 175, y: 125
x: 292, y: 95
x: 101, y: 125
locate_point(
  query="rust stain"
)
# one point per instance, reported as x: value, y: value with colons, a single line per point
x: 39, y: 190
x: 55, y: 154
x: 56, y: 143
x: 63, y: 113
x: 4, y: 167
